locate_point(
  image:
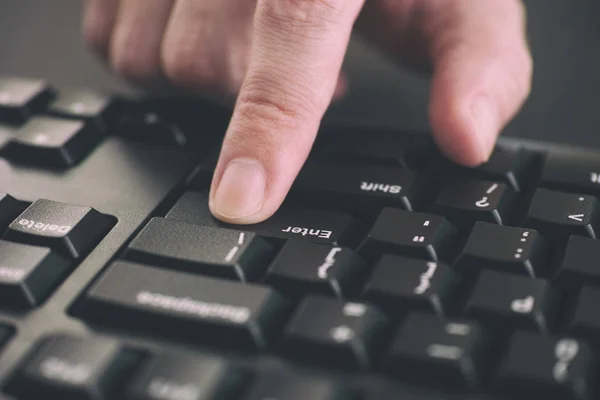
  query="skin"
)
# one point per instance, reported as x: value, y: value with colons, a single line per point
x: 281, y: 60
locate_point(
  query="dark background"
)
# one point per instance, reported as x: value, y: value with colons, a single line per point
x: 41, y: 38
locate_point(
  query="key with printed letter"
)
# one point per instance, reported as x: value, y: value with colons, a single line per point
x: 185, y: 305
x: 503, y: 248
x: 464, y: 201
x: 312, y: 225
x: 574, y: 172
x: 51, y: 142
x: 71, y: 230
x: 176, y: 376
x: 28, y: 274
x: 286, y: 385
x: 337, y: 332
x: 429, y: 349
x: 399, y: 284
x: 507, y: 300
x: 559, y: 215
x: 71, y: 367
x: 408, y: 233
x: 354, y: 187
x: 547, y: 368
x: 304, y: 267
x: 218, y: 252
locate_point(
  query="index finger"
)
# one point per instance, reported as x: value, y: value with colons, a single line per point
x: 297, y: 56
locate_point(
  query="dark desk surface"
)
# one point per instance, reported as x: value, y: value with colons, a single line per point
x: 41, y: 38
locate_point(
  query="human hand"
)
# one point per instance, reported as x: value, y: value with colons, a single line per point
x: 283, y: 60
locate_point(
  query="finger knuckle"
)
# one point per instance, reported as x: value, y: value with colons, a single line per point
x: 303, y: 12
x: 187, y: 65
x: 266, y: 106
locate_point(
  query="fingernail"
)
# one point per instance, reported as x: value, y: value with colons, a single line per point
x: 241, y: 191
x: 485, y: 125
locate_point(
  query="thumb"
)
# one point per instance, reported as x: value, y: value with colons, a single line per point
x: 298, y: 51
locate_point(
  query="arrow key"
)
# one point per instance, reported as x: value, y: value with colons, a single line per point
x: 559, y: 215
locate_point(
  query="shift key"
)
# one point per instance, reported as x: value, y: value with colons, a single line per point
x: 186, y: 306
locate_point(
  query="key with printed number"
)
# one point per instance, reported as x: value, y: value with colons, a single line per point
x: 312, y: 225
x: 464, y: 201
x: 167, y: 376
x: 287, y: 385
x: 342, y: 333
x: 51, y: 142
x: 507, y: 300
x: 218, y: 252
x: 72, y: 367
x: 69, y: 229
x: 408, y: 233
x: 503, y: 248
x: 559, y: 215
x: 547, y: 368
x: 185, y: 305
x: 447, y: 352
x: 399, y: 284
x: 21, y: 98
x: 304, y: 267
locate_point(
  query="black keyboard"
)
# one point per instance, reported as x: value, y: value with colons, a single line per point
x: 388, y: 273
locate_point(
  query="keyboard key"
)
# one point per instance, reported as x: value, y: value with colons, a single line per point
x: 6, y: 334
x: 312, y: 225
x: 580, y: 265
x: 28, y: 274
x: 218, y: 252
x: 547, y: 368
x: 10, y: 208
x: 149, y: 126
x: 447, y: 352
x: 465, y: 201
x: 507, y: 300
x: 202, y: 176
x: 559, y: 215
x: 399, y: 284
x: 51, y: 142
x: 304, y: 267
x: 585, y: 319
x: 20, y: 98
x: 90, y: 106
x: 355, y: 187
x: 184, y: 305
x: 70, y: 367
x: 503, y: 248
x: 508, y: 165
x: 182, y: 376
x: 71, y: 230
x: 408, y: 233
x: 335, y: 332
x: 572, y: 171
x: 284, y: 385
x: 395, y: 149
